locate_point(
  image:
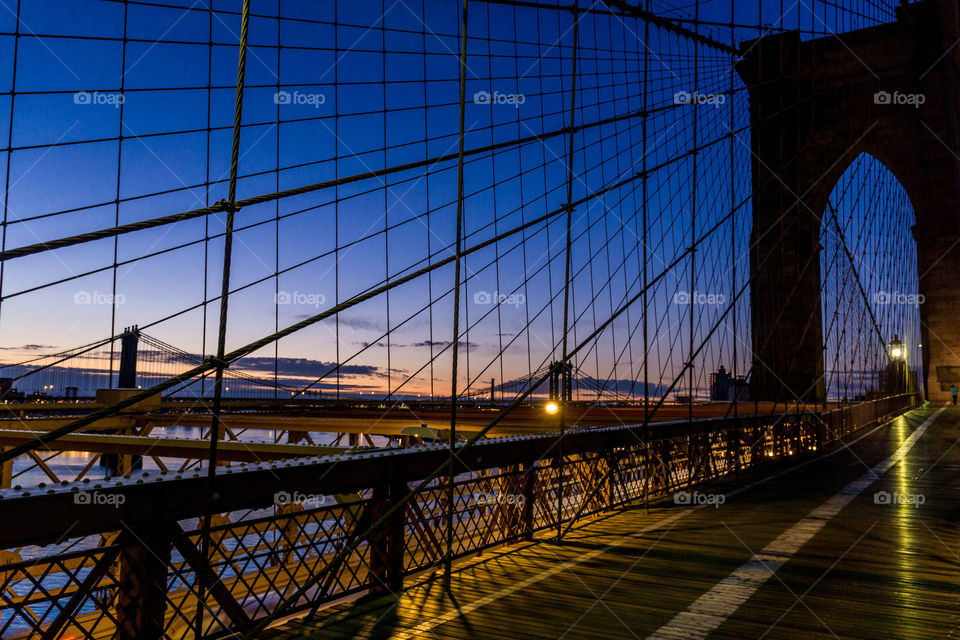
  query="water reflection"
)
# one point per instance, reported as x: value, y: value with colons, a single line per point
x: 68, y: 465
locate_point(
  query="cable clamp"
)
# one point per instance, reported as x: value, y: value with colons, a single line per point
x: 218, y: 363
x: 226, y: 205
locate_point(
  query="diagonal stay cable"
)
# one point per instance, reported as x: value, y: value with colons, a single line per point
x: 357, y: 539
x: 689, y: 365
x: 223, y: 206
x: 211, y: 364
x: 856, y: 275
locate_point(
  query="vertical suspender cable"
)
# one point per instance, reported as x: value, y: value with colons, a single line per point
x: 643, y: 311
x: 426, y: 183
x: 224, y: 294
x: 336, y: 193
x: 733, y: 236
x: 448, y: 560
x: 276, y: 225
x: 760, y: 116
x: 116, y: 204
x: 566, y: 381
x: 206, y: 219
x: 6, y: 184
x: 386, y: 212
x: 693, y: 213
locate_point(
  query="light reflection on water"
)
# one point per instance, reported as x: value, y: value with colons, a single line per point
x: 67, y: 465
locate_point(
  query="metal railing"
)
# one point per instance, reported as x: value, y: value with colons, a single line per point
x: 123, y: 559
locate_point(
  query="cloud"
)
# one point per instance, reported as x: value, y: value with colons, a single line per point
x: 363, y: 324
x: 437, y: 344
x: 302, y: 367
x: 29, y: 347
x: 441, y: 344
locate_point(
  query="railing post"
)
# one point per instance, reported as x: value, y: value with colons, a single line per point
x: 529, y: 496
x: 142, y: 585
x: 612, y: 470
x: 378, y: 540
x: 820, y: 427
x: 733, y: 448
x: 289, y: 532
x: 6, y: 472
x: 510, y: 509
x: 396, y: 533
x: 386, y: 543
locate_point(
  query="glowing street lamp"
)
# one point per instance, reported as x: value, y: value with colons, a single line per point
x: 551, y: 407
x: 897, y: 351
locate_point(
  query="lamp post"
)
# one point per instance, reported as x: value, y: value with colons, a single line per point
x: 896, y: 366
x: 896, y: 349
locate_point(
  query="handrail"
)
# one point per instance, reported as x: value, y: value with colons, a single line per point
x: 249, y: 486
x: 506, y: 490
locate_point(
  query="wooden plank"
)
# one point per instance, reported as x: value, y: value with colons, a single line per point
x: 875, y: 570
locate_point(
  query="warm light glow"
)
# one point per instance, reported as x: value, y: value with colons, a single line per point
x: 551, y: 407
x: 895, y: 352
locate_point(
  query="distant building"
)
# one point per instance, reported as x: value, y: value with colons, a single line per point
x: 724, y: 387
x: 7, y: 392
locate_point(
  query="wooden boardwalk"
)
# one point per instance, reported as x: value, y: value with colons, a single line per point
x: 801, y: 553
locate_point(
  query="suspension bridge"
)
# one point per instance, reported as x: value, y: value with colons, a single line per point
x: 479, y: 318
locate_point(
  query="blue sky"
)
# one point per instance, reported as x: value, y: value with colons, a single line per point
x: 377, y: 89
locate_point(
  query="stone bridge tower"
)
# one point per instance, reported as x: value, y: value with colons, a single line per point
x: 815, y: 106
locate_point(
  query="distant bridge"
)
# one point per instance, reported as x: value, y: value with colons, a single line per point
x: 412, y: 282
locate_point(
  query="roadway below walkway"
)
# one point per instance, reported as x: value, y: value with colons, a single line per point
x: 861, y: 542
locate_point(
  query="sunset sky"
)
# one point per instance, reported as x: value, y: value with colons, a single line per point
x: 107, y: 131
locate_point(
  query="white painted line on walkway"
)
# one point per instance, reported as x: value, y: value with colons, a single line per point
x: 714, y: 607
x: 432, y: 623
